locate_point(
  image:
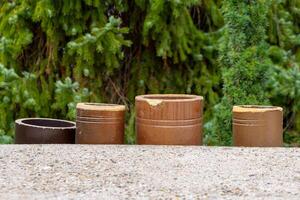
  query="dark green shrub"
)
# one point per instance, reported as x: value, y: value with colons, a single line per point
x: 284, y: 38
x: 244, y: 63
x: 56, y: 53
x: 106, y: 51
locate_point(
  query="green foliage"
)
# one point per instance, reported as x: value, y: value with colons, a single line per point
x: 285, y: 90
x: 244, y: 64
x: 170, y: 26
x: 103, y: 51
x: 105, y: 42
x: 130, y: 129
x: 67, y: 95
x: 54, y: 54
x: 284, y: 37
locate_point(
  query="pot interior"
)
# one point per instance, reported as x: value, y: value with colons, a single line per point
x: 48, y: 123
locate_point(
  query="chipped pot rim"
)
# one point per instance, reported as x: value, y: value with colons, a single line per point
x: 100, y: 106
x: 168, y: 97
x: 255, y: 108
x: 55, y: 124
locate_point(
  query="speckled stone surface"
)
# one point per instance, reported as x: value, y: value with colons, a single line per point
x: 148, y: 172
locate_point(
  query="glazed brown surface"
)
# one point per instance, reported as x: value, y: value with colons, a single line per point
x: 44, y: 131
x: 169, y: 119
x: 100, y: 123
x: 257, y: 126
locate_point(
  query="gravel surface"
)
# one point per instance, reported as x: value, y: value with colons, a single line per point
x: 148, y: 172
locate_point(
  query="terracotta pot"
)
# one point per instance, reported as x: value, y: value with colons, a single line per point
x: 257, y: 126
x: 44, y: 131
x: 99, y: 123
x: 169, y: 119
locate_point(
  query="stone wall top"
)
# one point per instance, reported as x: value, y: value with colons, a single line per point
x: 118, y: 172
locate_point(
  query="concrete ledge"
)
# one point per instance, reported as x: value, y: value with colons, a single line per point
x: 118, y: 172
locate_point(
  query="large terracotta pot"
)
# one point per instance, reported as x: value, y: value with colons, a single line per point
x: 99, y: 123
x: 257, y: 126
x: 44, y: 131
x: 169, y: 119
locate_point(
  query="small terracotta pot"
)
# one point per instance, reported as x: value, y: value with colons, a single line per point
x: 257, y: 126
x: 99, y: 123
x: 44, y: 131
x: 169, y: 119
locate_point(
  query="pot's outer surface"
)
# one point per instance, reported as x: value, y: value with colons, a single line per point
x: 100, y: 123
x: 256, y: 126
x: 44, y: 134
x: 170, y: 119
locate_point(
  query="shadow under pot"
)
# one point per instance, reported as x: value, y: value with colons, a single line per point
x: 169, y: 119
x: 99, y: 123
x: 257, y: 126
x: 44, y: 131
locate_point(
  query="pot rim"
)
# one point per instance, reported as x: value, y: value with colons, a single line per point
x: 72, y: 125
x: 255, y: 108
x: 169, y: 97
x: 100, y: 106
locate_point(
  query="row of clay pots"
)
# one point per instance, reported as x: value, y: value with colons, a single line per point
x: 160, y: 119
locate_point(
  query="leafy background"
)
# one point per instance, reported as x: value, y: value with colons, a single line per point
x: 54, y: 54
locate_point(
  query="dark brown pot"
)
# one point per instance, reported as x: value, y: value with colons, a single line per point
x: 257, y: 126
x: 99, y: 123
x: 44, y: 131
x: 169, y: 119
